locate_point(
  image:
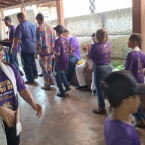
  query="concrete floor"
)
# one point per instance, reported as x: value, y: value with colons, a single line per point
x: 65, y: 121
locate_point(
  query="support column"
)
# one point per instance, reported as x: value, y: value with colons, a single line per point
x: 3, y: 30
x: 24, y: 11
x: 60, y: 12
x: 138, y: 14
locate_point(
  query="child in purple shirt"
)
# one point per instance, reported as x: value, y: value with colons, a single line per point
x: 100, y: 54
x: 122, y: 91
x: 135, y: 62
x: 62, y: 51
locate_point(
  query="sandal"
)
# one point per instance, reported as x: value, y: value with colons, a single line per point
x: 44, y: 88
x: 99, y: 111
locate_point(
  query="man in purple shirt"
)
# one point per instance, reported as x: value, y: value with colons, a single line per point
x: 75, y: 54
x: 123, y: 92
x: 11, y: 31
x: 62, y: 51
x: 135, y: 62
x: 26, y: 34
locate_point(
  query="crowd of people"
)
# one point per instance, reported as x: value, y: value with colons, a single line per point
x: 58, y: 58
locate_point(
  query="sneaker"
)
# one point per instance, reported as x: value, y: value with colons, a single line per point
x: 99, y: 111
x: 36, y: 77
x: 45, y: 88
x: 81, y: 87
x: 40, y: 75
x: 93, y: 92
x: 59, y: 94
x: 30, y: 83
x: 139, y: 123
x: 21, y: 73
x: 67, y: 89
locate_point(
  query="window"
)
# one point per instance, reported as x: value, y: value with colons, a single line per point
x: 92, y: 6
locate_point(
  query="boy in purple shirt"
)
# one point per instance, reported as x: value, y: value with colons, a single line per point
x: 75, y: 55
x: 12, y: 58
x: 62, y: 51
x: 135, y: 62
x: 123, y: 92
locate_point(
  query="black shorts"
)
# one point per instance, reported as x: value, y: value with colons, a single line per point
x: 12, y: 139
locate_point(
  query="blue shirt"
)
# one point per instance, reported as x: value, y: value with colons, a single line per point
x: 26, y: 32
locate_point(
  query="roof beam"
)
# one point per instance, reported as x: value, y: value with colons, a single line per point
x: 27, y: 4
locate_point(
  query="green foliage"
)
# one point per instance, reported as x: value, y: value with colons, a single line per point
x: 117, y: 66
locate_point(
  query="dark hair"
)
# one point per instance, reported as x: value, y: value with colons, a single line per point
x: 93, y: 35
x: 115, y: 104
x: 20, y: 15
x: 136, y: 37
x: 40, y: 17
x: 59, y: 29
x: 66, y: 31
x: 102, y: 35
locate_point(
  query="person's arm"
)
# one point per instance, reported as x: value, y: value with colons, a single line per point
x: 15, y: 43
x: 53, y: 38
x: 27, y: 96
x: 128, y: 63
x: 17, y: 38
x: 38, y: 43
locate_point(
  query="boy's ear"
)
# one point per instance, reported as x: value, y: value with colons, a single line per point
x: 127, y: 100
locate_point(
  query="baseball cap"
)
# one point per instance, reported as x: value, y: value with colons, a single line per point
x: 120, y: 85
x: 59, y: 29
x: 7, y: 18
x: 5, y: 43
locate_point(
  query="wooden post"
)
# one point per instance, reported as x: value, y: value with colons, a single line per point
x: 24, y: 11
x: 60, y: 12
x: 138, y: 14
x: 3, y: 30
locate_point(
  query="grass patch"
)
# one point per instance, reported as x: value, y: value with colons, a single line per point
x: 117, y: 66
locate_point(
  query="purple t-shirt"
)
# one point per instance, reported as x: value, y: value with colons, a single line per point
x: 100, y: 53
x: 120, y: 133
x: 76, y: 47
x: 7, y: 97
x: 12, y: 30
x: 135, y: 62
x: 62, y: 46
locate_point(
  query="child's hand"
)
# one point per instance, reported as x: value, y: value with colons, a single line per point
x: 88, y: 46
x: 85, y: 68
x: 83, y: 47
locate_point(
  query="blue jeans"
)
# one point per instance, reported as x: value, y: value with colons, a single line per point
x: 6, y: 57
x: 60, y: 78
x: 29, y: 65
x: 71, y: 67
x: 139, y: 115
x: 100, y: 71
x: 13, y: 59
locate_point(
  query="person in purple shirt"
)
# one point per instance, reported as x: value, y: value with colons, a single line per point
x: 12, y: 58
x: 11, y: 83
x: 75, y: 55
x: 26, y: 34
x: 100, y: 54
x: 122, y: 91
x: 135, y: 62
x: 62, y: 51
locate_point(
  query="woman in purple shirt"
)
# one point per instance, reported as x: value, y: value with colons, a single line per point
x: 100, y: 54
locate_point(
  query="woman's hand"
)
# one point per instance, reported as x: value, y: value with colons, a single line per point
x: 9, y: 116
x: 38, y: 108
